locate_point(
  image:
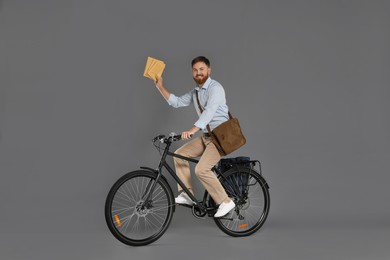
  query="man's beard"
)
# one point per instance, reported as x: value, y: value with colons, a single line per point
x: 202, y: 80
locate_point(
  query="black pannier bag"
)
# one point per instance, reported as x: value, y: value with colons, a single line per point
x: 238, y: 179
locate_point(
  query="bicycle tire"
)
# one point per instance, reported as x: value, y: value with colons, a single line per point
x: 252, y: 203
x: 127, y: 221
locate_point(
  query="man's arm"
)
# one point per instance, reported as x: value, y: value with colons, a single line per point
x: 173, y: 100
x: 163, y: 90
x: 165, y: 93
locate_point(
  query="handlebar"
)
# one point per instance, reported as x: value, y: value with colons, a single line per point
x: 171, y: 138
x: 167, y: 140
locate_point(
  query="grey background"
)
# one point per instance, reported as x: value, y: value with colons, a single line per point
x: 309, y: 81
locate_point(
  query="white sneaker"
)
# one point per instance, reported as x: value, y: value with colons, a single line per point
x: 183, y: 198
x: 224, y: 209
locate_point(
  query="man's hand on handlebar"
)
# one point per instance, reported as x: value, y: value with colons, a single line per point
x: 188, y: 134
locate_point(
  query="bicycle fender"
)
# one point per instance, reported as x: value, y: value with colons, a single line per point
x: 149, y: 169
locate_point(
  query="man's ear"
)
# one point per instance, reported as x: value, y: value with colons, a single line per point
x: 209, y: 71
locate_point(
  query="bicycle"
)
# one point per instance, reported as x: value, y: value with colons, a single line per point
x: 140, y: 205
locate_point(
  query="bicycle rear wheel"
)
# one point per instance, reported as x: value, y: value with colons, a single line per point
x: 249, y: 190
x: 132, y: 220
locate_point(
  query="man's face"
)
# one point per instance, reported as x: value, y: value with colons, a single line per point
x: 200, y: 72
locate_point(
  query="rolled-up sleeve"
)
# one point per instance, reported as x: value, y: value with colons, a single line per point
x: 181, y: 101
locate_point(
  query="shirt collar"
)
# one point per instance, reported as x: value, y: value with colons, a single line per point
x: 205, y: 85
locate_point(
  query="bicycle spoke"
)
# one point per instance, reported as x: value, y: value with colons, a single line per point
x: 134, y: 218
x: 121, y: 204
x: 244, y: 184
x: 124, y: 196
x: 159, y: 220
x: 121, y: 210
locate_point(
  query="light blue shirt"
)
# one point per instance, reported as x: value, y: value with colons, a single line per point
x: 212, y: 100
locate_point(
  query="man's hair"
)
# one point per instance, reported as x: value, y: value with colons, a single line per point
x: 200, y: 59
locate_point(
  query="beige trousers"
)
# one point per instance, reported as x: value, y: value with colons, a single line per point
x: 209, y: 156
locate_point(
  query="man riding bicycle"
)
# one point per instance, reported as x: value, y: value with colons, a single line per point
x: 211, y: 97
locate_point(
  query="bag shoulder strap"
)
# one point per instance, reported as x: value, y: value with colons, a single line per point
x: 201, y: 111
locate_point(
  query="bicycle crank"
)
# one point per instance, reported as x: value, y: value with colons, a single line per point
x: 198, y: 213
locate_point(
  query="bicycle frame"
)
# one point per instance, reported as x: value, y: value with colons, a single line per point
x: 164, y: 164
x: 201, y: 205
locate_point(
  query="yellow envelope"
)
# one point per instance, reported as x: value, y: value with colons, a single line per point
x: 154, y: 68
x: 148, y: 63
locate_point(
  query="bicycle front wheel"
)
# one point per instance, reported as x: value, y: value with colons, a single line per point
x: 130, y: 218
x: 249, y: 191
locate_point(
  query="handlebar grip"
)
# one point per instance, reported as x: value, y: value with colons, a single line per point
x: 178, y: 137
